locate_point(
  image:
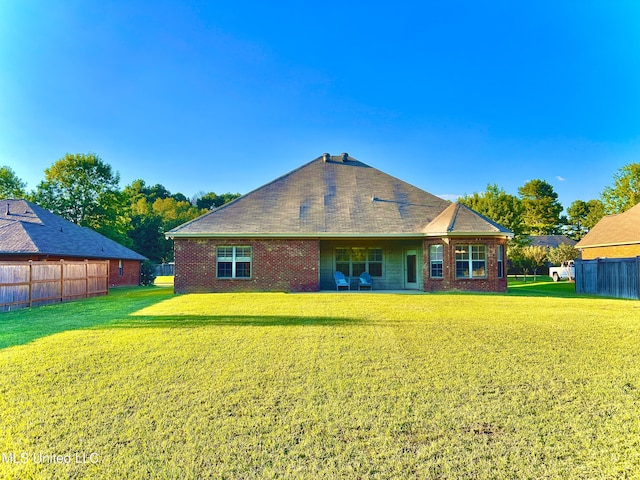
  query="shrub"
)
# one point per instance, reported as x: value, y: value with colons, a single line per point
x: 147, y: 273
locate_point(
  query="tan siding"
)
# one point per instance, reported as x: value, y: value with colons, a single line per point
x: 613, y: 251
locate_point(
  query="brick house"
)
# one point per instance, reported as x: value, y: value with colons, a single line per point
x: 336, y: 213
x: 614, y: 236
x: 30, y: 232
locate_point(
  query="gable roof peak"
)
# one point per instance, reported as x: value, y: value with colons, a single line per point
x: 459, y: 219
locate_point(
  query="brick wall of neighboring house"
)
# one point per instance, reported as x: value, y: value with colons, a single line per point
x: 613, y: 251
x: 289, y: 265
x: 130, y: 273
x: 491, y: 283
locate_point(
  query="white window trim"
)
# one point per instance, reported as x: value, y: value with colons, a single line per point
x: 470, y: 261
x: 432, y: 261
x: 233, y: 260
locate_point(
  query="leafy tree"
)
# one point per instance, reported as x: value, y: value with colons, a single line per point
x: 563, y: 253
x: 583, y: 216
x: 541, y: 209
x: 625, y: 192
x: 84, y: 189
x: 11, y: 186
x: 147, y: 237
x: 535, y: 256
x: 154, y: 210
x: 516, y: 256
x: 499, y: 206
x: 209, y: 201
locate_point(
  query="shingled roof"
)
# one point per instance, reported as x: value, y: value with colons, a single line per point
x: 26, y: 228
x: 338, y: 196
x: 620, y: 229
x: 551, y: 241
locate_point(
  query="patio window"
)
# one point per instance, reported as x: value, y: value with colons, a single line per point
x: 436, y: 255
x: 471, y: 261
x: 355, y: 260
x: 234, y: 262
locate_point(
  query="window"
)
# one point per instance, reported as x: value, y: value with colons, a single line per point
x: 500, y: 261
x: 234, y: 262
x: 471, y: 261
x: 375, y: 262
x: 436, y: 253
x: 353, y: 261
x: 120, y: 268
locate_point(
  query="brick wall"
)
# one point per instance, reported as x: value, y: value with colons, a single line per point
x: 277, y: 265
x: 491, y: 283
x: 130, y: 273
x: 613, y: 251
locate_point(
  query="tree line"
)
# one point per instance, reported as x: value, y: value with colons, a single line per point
x: 537, y: 211
x: 85, y: 190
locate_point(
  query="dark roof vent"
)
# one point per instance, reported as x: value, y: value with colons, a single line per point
x: 345, y: 157
x: 326, y: 157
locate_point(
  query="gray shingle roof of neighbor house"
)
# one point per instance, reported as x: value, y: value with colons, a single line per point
x: 551, y: 241
x: 26, y: 228
x: 620, y: 229
x: 338, y: 196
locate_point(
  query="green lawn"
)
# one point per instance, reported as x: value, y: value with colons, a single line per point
x: 142, y: 384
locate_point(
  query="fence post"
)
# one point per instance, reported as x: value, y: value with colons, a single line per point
x: 61, y: 280
x: 30, y: 283
x: 638, y: 276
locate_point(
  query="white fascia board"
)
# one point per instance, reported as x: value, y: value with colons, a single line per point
x: 336, y: 235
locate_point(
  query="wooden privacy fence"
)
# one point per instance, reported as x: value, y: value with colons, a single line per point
x: 165, y: 269
x: 26, y: 284
x: 611, y: 277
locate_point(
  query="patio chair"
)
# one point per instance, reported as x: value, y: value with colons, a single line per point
x: 341, y: 281
x: 364, y: 280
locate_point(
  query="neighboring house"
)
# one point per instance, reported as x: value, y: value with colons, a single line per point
x: 332, y: 214
x: 551, y: 241
x: 29, y: 232
x: 610, y: 264
x: 614, y: 236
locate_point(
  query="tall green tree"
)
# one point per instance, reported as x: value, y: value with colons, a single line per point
x: 11, y: 186
x: 562, y: 253
x: 211, y: 200
x: 154, y: 211
x: 499, y: 206
x: 625, y: 191
x: 84, y: 189
x: 582, y: 216
x: 541, y: 209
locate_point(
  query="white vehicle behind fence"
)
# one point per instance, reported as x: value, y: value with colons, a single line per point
x: 566, y: 271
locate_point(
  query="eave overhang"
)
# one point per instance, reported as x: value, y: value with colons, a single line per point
x: 600, y: 245
x: 172, y: 236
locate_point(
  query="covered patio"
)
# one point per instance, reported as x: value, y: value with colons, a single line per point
x: 392, y: 264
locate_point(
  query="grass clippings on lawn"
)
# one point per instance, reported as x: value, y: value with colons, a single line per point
x: 324, y: 386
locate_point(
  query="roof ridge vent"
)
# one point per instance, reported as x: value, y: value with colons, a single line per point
x: 326, y: 157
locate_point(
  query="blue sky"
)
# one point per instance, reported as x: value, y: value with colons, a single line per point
x: 225, y: 96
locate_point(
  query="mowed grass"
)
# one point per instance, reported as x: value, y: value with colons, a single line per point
x: 337, y: 385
